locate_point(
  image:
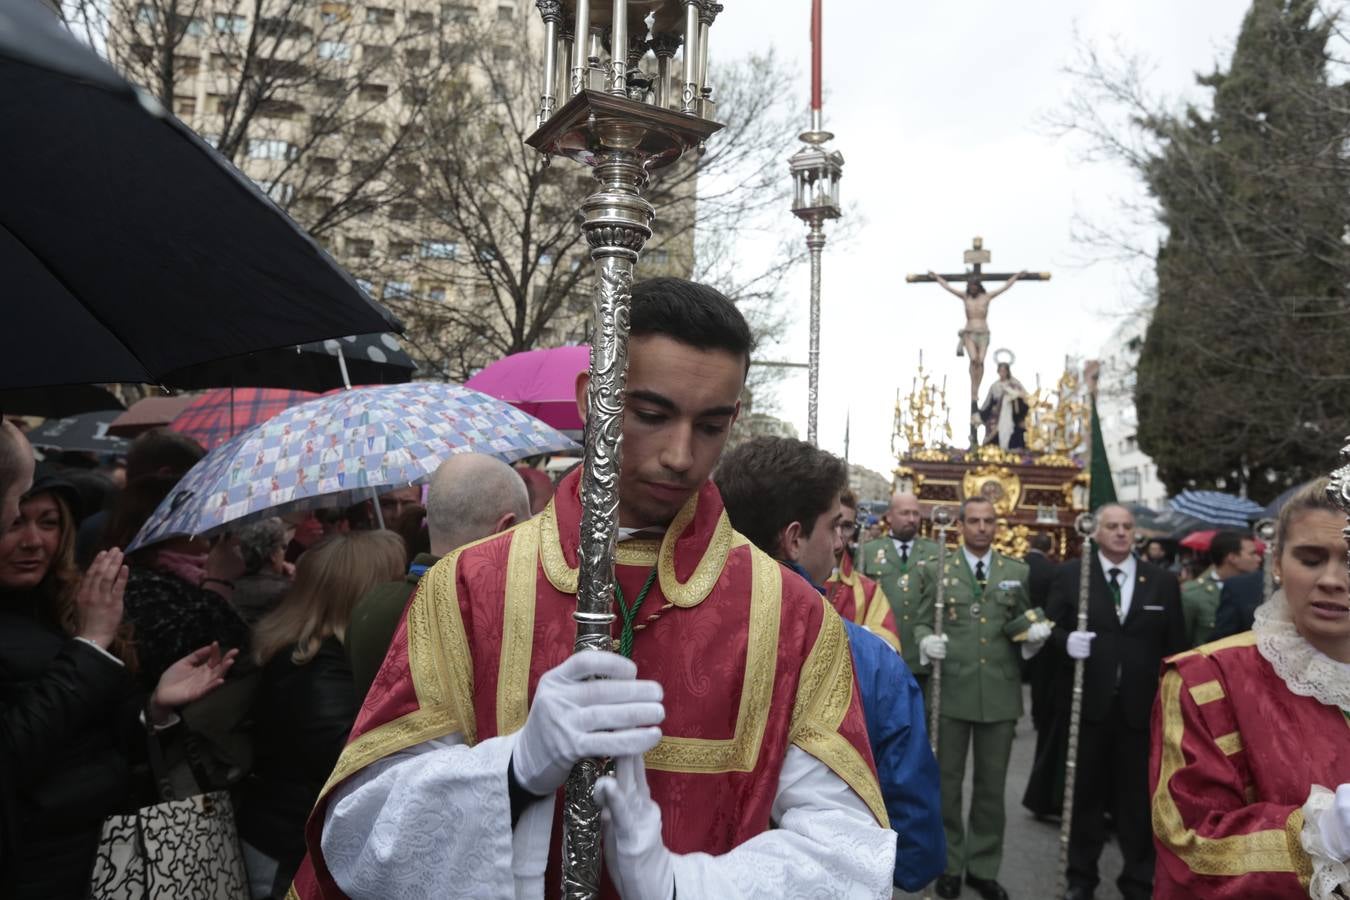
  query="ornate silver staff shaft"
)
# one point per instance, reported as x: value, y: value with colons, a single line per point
x: 1085, y: 524
x: 624, y: 137
x: 942, y: 518
x: 815, y: 243
x: 1265, y: 530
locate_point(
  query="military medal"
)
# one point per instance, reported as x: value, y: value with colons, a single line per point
x: 974, y: 609
x: 881, y: 555
x: 952, y: 613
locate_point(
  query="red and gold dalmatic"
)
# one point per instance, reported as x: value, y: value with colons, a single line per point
x: 1235, y: 754
x: 862, y: 601
x: 751, y: 663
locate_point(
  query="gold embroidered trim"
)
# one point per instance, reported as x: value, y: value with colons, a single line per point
x: 645, y: 553
x: 739, y: 753
x: 875, y: 621
x: 1270, y: 850
x: 824, y: 692
x: 709, y: 568
x: 1229, y: 743
x: 1207, y: 693
x: 517, y: 646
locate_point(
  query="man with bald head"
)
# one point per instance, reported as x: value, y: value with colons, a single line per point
x: 893, y: 561
x: 16, y: 471
x: 472, y: 496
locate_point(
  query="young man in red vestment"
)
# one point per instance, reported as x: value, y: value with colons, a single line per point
x: 855, y: 596
x: 741, y: 751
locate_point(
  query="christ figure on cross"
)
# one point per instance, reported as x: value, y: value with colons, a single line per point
x: 973, y: 340
x: 974, y: 337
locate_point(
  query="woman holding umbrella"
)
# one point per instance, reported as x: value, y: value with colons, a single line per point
x: 77, y: 718
x: 1249, y: 775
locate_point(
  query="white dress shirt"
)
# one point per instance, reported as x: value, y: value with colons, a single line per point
x: 972, y: 559
x: 1129, y: 569
x: 904, y: 548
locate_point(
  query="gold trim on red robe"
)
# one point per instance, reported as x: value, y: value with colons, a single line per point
x: 863, y: 602
x: 1234, y: 756
x: 750, y: 663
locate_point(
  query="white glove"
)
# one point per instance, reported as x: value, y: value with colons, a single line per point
x: 1079, y: 644
x: 574, y: 717
x: 635, y: 855
x: 1334, y: 823
x: 1039, y: 632
x: 932, y: 648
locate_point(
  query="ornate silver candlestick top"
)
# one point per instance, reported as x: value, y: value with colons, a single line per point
x: 620, y: 117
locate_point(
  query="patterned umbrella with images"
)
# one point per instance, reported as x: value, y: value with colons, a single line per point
x: 1217, y: 508
x: 339, y: 449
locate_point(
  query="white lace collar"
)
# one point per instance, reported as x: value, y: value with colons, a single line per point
x: 1306, y: 671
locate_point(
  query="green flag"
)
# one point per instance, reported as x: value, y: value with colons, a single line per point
x: 1103, y: 489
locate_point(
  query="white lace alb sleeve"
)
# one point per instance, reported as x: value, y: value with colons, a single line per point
x: 435, y: 821
x: 827, y: 844
x: 1329, y: 873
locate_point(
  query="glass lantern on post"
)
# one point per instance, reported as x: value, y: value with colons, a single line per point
x: 634, y: 98
x: 815, y: 198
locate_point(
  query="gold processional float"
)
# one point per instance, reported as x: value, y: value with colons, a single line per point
x: 1040, y: 487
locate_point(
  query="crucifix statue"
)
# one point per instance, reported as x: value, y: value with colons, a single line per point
x: 974, y: 337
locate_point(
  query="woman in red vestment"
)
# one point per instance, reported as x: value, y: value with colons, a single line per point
x: 1249, y: 771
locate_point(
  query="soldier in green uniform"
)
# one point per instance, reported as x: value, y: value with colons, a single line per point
x: 1230, y: 553
x: 892, y: 561
x: 988, y: 627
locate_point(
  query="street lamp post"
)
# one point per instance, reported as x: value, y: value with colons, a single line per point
x: 815, y: 198
x: 625, y: 114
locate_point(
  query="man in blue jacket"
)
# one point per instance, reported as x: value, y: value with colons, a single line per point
x: 783, y: 494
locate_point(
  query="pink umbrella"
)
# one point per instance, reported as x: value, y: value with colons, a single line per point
x: 541, y: 383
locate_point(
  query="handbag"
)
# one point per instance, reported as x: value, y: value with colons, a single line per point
x: 182, y: 847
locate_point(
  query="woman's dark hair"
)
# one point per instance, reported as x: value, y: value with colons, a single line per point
x: 58, y: 587
x: 692, y: 314
x: 133, y: 508
x: 411, y: 525
x: 768, y: 483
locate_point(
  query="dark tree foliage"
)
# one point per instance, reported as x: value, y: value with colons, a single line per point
x: 1243, y: 380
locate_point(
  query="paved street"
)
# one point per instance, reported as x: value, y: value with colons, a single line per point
x: 1031, y: 848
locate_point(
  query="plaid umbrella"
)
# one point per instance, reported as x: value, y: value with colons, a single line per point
x: 337, y: 450
x: 216, y: 416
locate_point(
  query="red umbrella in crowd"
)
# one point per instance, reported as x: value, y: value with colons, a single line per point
x: 541, y: 383
x: 216, y: 416
x: 1200, y: 541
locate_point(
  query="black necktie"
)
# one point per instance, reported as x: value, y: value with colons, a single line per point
x: 979, y: 572
x: 904, y: 554
x: 1115, y: 587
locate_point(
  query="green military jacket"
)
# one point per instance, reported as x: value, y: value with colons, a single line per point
x: 982, y: 675
x: 1199, y: 604
x: 880, y: 561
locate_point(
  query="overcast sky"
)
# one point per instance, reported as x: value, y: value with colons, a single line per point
x: 939, y: 111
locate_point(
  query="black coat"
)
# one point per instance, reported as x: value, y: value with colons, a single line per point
x: 1042, y: 575
x: 68, y: 735
x: 300, y: 723
x: 1129, y: 654
x: 1238, y: 600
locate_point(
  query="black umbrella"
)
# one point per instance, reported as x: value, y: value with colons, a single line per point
x: 370, y: 359
x: 55, y: 402
x: 130, y: 248
x: 87, y: 433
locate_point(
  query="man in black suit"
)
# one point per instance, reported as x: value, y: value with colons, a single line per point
x: 1134, y: 621
x: 1238, y: 600
x: 1039, y: 671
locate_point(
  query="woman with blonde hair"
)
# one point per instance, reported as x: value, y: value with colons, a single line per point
x: 307, y: 700
x: 1249, y: 771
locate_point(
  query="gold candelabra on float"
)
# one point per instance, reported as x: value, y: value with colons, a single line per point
x: 922, y: 420
x: 1058, y: 417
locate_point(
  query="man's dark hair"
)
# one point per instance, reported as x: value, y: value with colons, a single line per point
x: 1041, y: 541
x: 849, y: 499
x: 768, y: 483
x: 162, y: 451
x: 690, y: 313
x: 971, y: 501
x: 1224, y: 545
